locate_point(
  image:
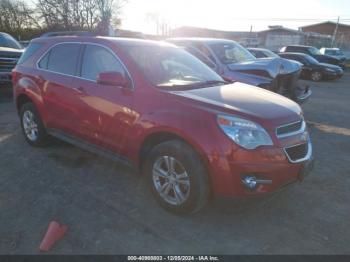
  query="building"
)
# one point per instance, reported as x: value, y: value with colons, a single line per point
x: 342, y: 37
x: 278, y: 36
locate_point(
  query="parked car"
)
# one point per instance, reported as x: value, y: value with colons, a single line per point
x: 157, y: 107
x: 10, y: 52
x: 265, y: 53
x: 334, y: 52
x: 314, y: 70
x: 315, y: 53
x: 235, y: 63
x: 262, y: 53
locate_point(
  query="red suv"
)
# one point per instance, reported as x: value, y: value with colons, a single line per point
x: 156, y: 106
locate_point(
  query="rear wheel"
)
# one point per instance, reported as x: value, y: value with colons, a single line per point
x: 316, y: 76
x: 177, y: 177
x: 32, y: 126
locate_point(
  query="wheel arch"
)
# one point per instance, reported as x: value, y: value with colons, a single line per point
x: 21, y: 100
x: 159, y: 137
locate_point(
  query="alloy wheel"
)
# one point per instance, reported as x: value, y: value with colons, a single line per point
x: 316, y: 76
x: 30, y: 126
x: 171, y: 180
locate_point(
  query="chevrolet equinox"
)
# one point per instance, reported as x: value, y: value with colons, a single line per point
x: 157, y: 107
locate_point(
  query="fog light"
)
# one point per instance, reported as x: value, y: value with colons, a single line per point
x: 250, y: 182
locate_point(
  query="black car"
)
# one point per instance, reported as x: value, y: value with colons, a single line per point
x: 262, y: 52
x: 314, y: 70
x: 10, y: 52
x: 315, y: 53
x: 236, y: 64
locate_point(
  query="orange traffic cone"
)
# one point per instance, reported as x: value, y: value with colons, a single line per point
x: 54, y: 232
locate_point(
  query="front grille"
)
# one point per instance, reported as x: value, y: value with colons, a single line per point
x: 290, y: 129
x: 7, y: 64
x: 297, y: 153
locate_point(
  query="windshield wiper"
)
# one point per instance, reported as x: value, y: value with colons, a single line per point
x: 210, y: 83
x: 195, y: 85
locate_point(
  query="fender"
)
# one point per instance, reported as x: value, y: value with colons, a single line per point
x: 28, y: 87
x: 172, y: 122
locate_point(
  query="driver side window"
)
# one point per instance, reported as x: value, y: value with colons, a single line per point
x: 98, y: 59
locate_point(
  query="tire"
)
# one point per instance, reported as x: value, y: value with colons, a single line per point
x: 185, y: 189
x: 32, y: 126
x: 316, y: 76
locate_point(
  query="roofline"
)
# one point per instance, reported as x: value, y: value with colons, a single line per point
x: 326, y: 22
x: 98, y: 39
x: 282, y: 28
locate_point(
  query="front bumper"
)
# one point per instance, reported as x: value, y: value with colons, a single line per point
x: 302, y: 94
x: 270, y: 166
x: 287, y: 85
x: 333, y: 75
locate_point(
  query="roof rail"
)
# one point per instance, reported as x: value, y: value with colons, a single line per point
x: 68, y: 33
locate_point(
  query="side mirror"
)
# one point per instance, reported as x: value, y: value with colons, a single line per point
x: 113, y: 79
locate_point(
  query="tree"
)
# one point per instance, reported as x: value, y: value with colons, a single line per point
x: 79, y: 14
x: 19, y: 18
x: 16, y: 16
x: 109, y: 11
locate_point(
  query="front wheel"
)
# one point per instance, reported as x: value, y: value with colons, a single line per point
x: 316, y: 76
x: 177, y: 177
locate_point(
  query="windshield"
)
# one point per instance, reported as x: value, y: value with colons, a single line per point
x: 311, y: 60
x: 314, y: 51
x: 229, y: 53
x: 270, y: 53
x: 334, y: 52
x: 167, y: 66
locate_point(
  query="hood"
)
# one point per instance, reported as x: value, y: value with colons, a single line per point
x: 245, y: 77
x: 327, y: 58
x: 10, y: 52
x: 335, y: 67
x: 248, y: 101
x: 271, y: 66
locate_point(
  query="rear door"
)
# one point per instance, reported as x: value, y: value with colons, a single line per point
x: 57, y: 70
x: 107, y: 110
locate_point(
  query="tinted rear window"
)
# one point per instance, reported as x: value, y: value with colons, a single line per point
x: 62, y: 58
x: 30, y: 50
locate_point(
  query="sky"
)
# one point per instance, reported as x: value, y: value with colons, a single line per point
x: 232, y: 15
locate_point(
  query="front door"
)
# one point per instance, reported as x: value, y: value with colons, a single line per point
x: 107, y: 110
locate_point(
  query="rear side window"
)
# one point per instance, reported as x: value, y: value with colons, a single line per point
x: 98, y: 59
x: 259, y: 54
x: 30, y: 50
x: 62, y: 58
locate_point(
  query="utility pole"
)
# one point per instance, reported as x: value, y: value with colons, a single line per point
x: 335, y: 32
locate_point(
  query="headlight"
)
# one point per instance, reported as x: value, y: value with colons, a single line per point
x: 330, y: 70
x: 243, y: 132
